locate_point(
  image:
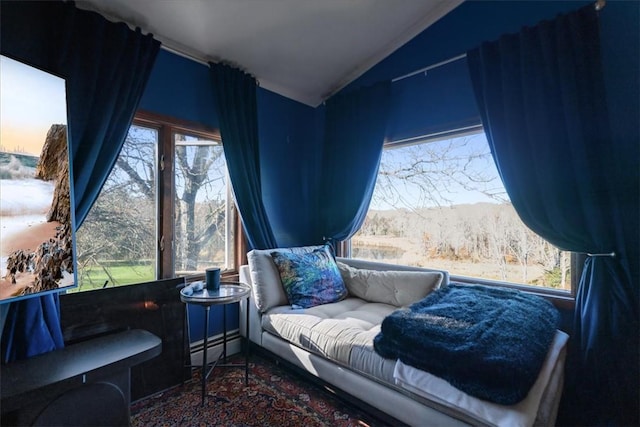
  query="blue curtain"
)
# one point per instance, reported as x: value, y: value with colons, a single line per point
x: 106, y: 66
x: 355, y: 127
x: 235, y: 98
x: 32, y: 328
x: 542, y: 100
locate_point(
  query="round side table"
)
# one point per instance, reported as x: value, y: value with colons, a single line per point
x: 228, y: 293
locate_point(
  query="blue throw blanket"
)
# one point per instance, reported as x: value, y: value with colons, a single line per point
x: 488, y: 342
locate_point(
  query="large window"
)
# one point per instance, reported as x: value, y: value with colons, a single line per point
x: 166, y: 209
x: 441, y: 204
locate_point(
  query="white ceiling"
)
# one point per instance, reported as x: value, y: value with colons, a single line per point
x: 303, y: 49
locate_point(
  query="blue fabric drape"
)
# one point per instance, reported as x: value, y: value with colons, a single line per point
x: 355, y: 127
x: 32, y: 328
x: 235, y: 98
x: 542, y: 100
x: 106, y: 66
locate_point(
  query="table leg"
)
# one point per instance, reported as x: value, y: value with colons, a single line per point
x: 204, y: 352
x: 246, y: 349
x: 224, y: 333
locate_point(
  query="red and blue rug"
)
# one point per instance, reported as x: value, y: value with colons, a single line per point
x: 274, y: 397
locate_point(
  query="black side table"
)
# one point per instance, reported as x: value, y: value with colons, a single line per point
x: 87, y: 383
x: 229, y: 292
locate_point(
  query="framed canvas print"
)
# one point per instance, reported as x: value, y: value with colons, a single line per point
x: 37, y: 247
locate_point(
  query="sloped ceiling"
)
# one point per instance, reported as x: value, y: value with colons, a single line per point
x: 305, y: 50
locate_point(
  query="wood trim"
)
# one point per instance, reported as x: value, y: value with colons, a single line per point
x: 176, y: 123
x: 166, y: 127
x: 241, y: 246
x: 343, y: 249
x: 166, y: 211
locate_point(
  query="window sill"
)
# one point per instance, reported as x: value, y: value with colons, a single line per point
x: 559, y: 298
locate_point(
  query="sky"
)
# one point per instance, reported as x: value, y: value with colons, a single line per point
x: 30, y: 102
x: 438, y: 189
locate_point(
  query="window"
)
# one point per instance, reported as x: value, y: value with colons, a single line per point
x: 116, y: 244
x: 203, y: 230
x: 166, y: 209
x: 441, y: 204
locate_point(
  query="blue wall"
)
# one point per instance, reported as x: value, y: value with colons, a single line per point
x: 423, y: 103
x: 620, y: 35
x: 443, y: 98
x: 291, y: 133
x: 462, y: 29
x: 181, y: 88
x: 289, y: 149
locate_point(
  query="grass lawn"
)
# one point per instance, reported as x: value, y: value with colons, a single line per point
x: 94, y: 277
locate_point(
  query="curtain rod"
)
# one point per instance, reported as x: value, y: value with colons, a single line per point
x: 598, y: 5
x: 429, y: 67
x: 167, y: 46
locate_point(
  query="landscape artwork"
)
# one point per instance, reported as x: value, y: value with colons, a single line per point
x: 36, y: 221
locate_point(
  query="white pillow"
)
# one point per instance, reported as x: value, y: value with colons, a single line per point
x: 398, y: 288
x: 265, y: 278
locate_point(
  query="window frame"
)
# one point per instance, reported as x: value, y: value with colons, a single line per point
x: 560, y: 298
x: 166, y: 127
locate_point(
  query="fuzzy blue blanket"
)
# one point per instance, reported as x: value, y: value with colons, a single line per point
x: 488, y: 342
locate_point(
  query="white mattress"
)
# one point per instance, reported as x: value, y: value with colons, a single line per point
x: 522, y: 414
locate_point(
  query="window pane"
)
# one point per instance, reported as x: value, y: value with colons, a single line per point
x: 204, y: 217
x: 442, y: 204
x: 117, y: 242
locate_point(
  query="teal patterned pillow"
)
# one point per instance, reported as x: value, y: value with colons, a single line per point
x: 310, y: 279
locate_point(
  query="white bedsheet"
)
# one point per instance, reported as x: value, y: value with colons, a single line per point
x: 522, y: 414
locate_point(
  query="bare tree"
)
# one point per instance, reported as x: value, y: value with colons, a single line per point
x: 118, y: 227
x: 417, y: 195
x: 198, y: 222
x: 498, y: 242
x: 428, y: 174
x: 122, y: 223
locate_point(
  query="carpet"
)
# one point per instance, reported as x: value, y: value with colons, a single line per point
x: 275, y: 397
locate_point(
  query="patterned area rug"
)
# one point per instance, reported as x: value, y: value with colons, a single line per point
x: 274, y: 397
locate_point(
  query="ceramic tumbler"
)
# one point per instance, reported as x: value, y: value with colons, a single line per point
x: 213, y: 278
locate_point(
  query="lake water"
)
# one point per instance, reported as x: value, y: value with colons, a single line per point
x: 376, y: 253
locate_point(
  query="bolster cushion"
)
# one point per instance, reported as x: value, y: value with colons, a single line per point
x: 398, y: 288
